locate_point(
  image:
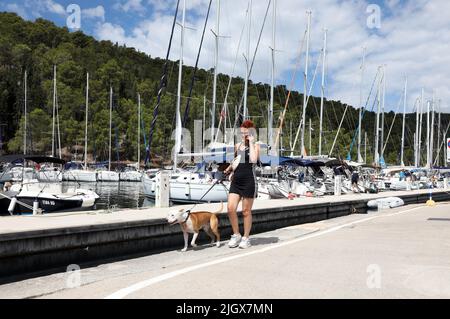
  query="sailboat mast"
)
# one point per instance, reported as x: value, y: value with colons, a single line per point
x: 25, y: 115
x: 324, y: 54
x: 383, y: 106
x: 180, y: 75
x: 402, y: 152
x: 272, y: 80
x: 247, y: 60
x: 54, y: 110
x: 303, y: 123
x: 86, y: 123
x: 439, y: 134
x: 428, y: 135
x: 377, y: 129
x: 365, y: 147
x: 419, y: 153
x: 416, y: 138
x: 110, y: 125
x: 204, y: 121
x: 216, y: 62
x: 139, y: 133
x: 433, y: 105
x: 361, y: 106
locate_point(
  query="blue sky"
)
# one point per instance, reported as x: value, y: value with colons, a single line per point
x: 413, y: 39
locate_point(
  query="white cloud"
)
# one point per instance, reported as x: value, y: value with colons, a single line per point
x: 93, y: 13
x: 38, y: 7
x: 130, y: 6
x: 413, y: 40
x: 14, y: 7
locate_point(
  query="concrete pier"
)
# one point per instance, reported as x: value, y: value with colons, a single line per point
x: 52, y: 242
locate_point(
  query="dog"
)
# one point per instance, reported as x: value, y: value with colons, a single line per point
x: 194, y: 222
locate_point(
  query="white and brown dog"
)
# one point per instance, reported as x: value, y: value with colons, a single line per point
x: 194, y: 222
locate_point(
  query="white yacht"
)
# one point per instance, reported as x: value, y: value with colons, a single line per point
x: 130, y: 174
x: 52, y: 197
x: 75, y: 172
x: 189, y: 187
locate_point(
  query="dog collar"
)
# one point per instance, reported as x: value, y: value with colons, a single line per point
x: 188, y: 214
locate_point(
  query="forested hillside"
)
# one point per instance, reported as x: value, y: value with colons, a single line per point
x: 37, y: 46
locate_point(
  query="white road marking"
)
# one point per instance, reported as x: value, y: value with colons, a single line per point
x: 122, y: 293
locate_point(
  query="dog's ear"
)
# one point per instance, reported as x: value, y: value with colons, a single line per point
x: 181, y: 210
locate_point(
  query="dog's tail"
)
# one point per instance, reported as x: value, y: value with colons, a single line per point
x: 220, y: 210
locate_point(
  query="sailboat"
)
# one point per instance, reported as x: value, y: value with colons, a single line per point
x: 77, y: 172
x: 187, y: 186
x: 108, y: 175
x: 50, y: 173
x: 49, y: 197
x: 131, y: 173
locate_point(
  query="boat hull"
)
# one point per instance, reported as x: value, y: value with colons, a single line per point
x: 189, y: 192
x: 130, y: 176
x: 107, y: 176
x: 80, y: 176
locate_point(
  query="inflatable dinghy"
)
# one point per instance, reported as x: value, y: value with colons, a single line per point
x: 383, y: 203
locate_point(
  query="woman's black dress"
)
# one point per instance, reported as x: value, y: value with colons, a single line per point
x: 244, y: 178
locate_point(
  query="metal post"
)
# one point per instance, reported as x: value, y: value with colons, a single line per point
x: 162, y: 189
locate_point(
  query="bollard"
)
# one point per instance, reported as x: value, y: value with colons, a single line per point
x: 337, y: 185
x: 35, y: 208
x: 431, y: 202
x: 162, y: 189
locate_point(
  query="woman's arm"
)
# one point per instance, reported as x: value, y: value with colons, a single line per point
x: 254, y: 150
x: 230, y: 168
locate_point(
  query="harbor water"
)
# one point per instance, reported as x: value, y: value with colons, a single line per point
x: 116, y: 195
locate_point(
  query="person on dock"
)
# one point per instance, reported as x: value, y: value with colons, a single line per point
x: 243, y: 185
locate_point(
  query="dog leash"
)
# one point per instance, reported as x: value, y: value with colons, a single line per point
x: 189, y: 211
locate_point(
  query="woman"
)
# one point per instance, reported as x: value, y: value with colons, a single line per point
x: 243, y: 185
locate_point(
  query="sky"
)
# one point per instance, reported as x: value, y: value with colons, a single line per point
x: 411, y: 38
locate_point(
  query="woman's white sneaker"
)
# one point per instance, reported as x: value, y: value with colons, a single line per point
x: 235, y: 240
x: 245, y: 243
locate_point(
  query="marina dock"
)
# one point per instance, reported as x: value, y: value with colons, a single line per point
x: 49, y: 243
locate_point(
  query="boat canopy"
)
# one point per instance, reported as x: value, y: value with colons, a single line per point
x: 34, y: 158
x: 265, y: 160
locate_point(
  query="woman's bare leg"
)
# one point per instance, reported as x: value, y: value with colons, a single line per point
x: 233, y: 202
x: 247, y: 204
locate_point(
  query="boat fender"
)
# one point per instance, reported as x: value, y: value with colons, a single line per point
x: 12, y: 205
x: 187, y: 189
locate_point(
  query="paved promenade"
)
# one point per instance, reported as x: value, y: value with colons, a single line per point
x: 399, y: 253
